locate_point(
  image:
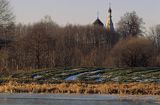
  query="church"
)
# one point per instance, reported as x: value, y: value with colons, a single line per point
x: 109, y: 23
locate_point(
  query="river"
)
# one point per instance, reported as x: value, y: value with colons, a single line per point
x: 51, y: 99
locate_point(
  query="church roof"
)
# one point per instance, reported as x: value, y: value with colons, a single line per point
x: 98, y: 22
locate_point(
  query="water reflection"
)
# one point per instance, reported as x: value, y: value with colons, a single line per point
x: 32, y: 99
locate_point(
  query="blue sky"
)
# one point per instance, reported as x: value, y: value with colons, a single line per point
x: 84, y: 11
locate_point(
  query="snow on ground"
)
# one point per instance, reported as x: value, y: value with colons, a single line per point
x: 74, y: 77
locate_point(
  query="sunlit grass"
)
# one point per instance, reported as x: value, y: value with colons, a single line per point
x: 82, y: 88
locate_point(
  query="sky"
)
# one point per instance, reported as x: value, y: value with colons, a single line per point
x: 84, y: 12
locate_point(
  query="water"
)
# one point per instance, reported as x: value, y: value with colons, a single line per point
x: 50, y: 99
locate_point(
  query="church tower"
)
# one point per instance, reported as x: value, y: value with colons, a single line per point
x: 109, y: 22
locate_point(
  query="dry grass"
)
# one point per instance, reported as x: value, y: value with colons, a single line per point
x: 82, y: 88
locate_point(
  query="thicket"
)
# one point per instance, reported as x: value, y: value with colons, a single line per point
x: 46, y: 45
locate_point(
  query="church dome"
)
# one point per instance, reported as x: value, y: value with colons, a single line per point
x: 110, y: 10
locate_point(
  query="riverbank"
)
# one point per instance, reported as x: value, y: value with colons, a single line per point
x: 83, y: 88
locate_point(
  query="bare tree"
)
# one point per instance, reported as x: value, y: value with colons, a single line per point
x: 130, y: 24
x: 155, y: 34
x: 6, y: 15
x: 6, y: 29
x: 134, y: 52
x: 6, y: 18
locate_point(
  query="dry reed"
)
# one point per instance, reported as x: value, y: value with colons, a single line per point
x: 82, y: 88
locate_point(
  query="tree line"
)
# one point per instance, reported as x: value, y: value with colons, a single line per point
x: 45, y: 44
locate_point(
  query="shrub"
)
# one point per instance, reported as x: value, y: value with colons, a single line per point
x: 133, y: 52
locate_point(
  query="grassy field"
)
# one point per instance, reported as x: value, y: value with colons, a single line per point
x: 83, y: 80
x: 84, y: 74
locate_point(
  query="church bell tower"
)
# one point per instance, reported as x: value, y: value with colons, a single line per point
x: 109, y: 22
